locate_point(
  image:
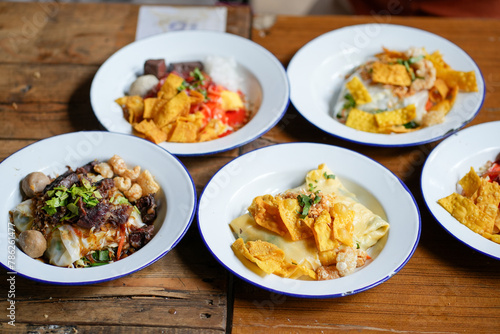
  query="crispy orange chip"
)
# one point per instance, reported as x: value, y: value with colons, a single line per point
x: 133, y: 107
x: 150, y: 131
x: 358, y: 91
x: 361, y: 120
x: 466, y: 81
x: 289, y: 209
x: 487, y: 200
x: 396, y: 117
x: 322, y: 232
x: 170, y: 87
x: 343, y: 229
x: 267, y: 256
x: 183, y: 132
x: 470, y: 183
x: 465, y: 211
x: 175, y: 107
x: 265, y: 211
x: 391, y: 74
x: 437, y: 60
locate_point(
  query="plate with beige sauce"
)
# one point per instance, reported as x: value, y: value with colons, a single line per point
x: 381, y: 204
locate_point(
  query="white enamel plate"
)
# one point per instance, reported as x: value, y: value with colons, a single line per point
x: 277, y: 168
x: 176, y: 199
x: 447, y: 164
x: 265, y: 83
x: 317, y: 72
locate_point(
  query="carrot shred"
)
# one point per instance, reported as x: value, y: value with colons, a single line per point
x: 122, y: 241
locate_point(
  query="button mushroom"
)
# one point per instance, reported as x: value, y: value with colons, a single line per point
x: 32, y: 243
x: 34, y: 183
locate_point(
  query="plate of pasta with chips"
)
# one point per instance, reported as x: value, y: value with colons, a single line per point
x: 460, y: 185
x: 332, y: 225
x: 101, y: 206
x: 385, y: 85
x: 191, y: 92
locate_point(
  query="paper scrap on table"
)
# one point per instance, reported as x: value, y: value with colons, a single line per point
x: 155, y: 20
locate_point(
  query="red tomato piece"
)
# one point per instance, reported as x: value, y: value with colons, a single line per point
x: 236, y: 117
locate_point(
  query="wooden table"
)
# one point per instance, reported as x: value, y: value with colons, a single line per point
x: 48, y: 56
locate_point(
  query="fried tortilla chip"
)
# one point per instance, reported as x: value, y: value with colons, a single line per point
x: 437, y: 60
x: 391, y: 74
x: 289, y: 209
x: 487, y: 200
x: 465, y: 211
x: 175, y: 107
x: 470, y: 183
x: 439, y: 91
x: 184, y: 132
x: 266, y: 255
x: 396, y: 117
x: 361, y: 120
x: 322, y: 232
x: 343, y: 228
x: 133, y: 107
x: 265, y: 211
x: 466, y: 81
x: 150, y: 131
x: 170, y: 87
x: 358, y: 91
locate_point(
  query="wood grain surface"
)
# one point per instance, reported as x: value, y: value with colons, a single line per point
x: 49, y: 53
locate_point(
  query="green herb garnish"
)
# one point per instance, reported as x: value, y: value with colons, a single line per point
x: 63, y: 197
x: 306, y: 201
x: 350, y: 103
x: 328, y: 176
x: 411, y: 125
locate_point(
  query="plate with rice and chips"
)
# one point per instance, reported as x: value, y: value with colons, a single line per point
x: 191, y: 92
x: 460, y: 186
x: 385, y: 85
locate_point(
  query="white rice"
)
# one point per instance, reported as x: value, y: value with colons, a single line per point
x: 223, y: 72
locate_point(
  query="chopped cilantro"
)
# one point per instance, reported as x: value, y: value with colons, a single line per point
x: 328, y: 176
x: 305, y: 203
x: 63, y: 197
x: 350, y: 103
x: 413, y: 60
x: 411, y: 125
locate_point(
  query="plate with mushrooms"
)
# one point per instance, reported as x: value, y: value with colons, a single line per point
x: 95, y: 210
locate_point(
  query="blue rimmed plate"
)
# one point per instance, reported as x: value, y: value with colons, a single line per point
x: 176, y: 199
x: 276, y: 168
x: 317, y: 72
x: 264, y: 82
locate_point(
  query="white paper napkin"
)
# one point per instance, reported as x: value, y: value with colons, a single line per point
x: 155, y: 20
